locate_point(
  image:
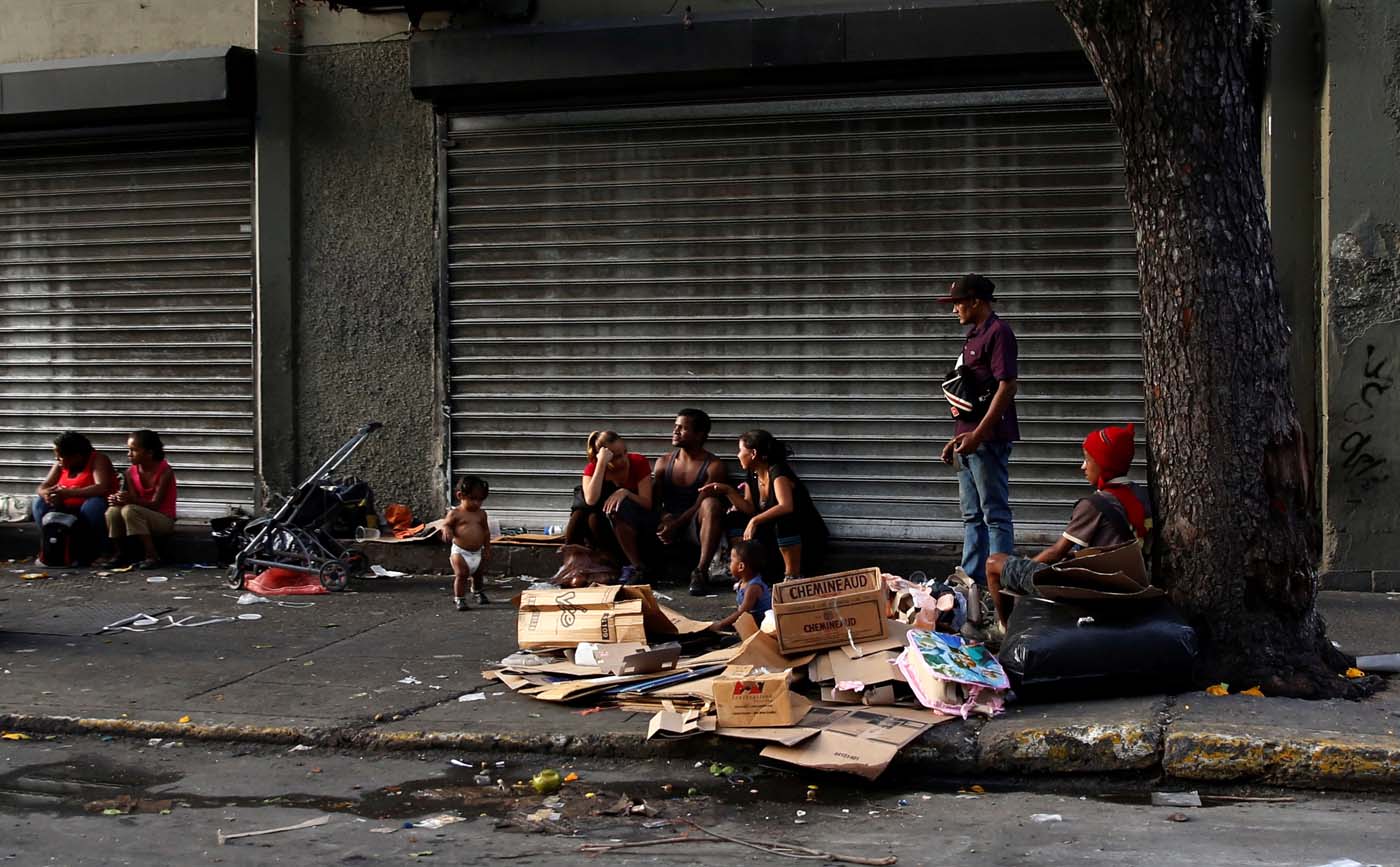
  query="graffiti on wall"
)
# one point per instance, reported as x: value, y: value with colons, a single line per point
x: 1363, y: 461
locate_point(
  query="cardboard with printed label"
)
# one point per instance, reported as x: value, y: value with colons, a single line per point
x: 561, y: 618
x: 751, y: 697
x: 830, y: 610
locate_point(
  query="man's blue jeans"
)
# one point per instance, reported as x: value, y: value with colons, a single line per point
x: 984, y: 489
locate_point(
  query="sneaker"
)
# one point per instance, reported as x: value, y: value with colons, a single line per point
x: 480, y: 598
x: 699, y: 583
x: 462, y: 605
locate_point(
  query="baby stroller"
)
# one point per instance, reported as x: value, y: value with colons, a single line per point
x: 296, y: 537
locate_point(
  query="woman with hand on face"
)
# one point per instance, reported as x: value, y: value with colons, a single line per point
x: 145, y: 505
x: 613, y: 505
x: 78, y: 483
x: 774, y: 507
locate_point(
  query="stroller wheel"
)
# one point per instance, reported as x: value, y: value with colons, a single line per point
x: 235, y: 577
x: 335, y: 574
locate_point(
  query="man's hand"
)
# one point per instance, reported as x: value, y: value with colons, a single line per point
x: 665, y: 528
x: 948, y: 451
x: 613, y: 503
x: 966, y: 444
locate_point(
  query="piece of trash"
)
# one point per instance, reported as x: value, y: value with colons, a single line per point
x: 250, y: 615
x: 482, y: 779
x: 426, y: 853
x: 301, y: 748
x: 471, y: 696
x: 571, y: 778
x: 1176, y: 799
x: 500, y: 764
x: 653, y: 824
x: 124, y: 568
x: 440, y: 821
x: 14, y: 736
x: 1046, y: 817
x: 125, y: 804
x: 28, y: 650
x: 801, y: 813
x: 157, y: 579
x: 33, y: 576
x: 1254, y: 691
x: 384, y: 830
x: 309, y: 823
x: 543, y: 814
x: 1218, y: 689
x: 461, y: 764
x: 1354, y: 673
x: 903, y: 802
x: 154, y: 742
x: 1346, y: 862
x: 112, y: 811
x: 183, y: 598
x: 408, y: 680
x: 381, y: 572
x: 977, y: 790
x: 1178, y: 817
x: 184, y: 719
x: 1387, y: 662
x: 546, y: 781
x: 251, y: 599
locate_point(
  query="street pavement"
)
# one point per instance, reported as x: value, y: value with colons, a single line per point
x: 383, y: 665
x: 61, y: 802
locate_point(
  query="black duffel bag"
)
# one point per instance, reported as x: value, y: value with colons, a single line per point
x: 1055, y: 651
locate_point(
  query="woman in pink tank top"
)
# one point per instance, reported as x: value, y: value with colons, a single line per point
x: 145, y: 506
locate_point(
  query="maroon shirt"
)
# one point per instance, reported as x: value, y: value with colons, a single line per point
x: 990, y: 351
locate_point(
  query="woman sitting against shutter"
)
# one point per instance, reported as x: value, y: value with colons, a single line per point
x: 612, y: 508
x: 773, y: 506
x: 145, y: 506
x: 78, y: 483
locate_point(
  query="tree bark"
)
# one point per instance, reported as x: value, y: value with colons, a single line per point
x: 1232, y: 470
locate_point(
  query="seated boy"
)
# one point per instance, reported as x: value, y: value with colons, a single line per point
x: 751, y: 592
x: 1118, y: 512
x: 467, y: 529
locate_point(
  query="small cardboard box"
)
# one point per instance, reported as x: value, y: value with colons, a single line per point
x: 633, y: 658
x: 830, y: 610
x: 750, y: 697
x: 560, y: 618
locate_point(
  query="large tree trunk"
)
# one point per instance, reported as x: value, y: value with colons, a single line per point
x: 1230, y: 463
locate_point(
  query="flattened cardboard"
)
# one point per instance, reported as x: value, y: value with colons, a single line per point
x: 830, y: 610
x: 875, y: 696
x: 877, y: 668
x: 672, y: 724
x: 861, y: 741
x: 761, y: 649
x: 788, y: 736
x: 1114, y: 573
x: 631, y: 658
x: 750, y: 697
x: 819, y: 669
x: 896, y: 636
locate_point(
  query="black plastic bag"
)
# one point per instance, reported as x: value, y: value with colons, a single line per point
x: 1055, y: 651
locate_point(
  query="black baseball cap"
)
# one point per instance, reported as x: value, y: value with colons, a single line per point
x: 967, y: 287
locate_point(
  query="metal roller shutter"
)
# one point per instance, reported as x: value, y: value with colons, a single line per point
x: 126, y: 270
x: 774, y: 265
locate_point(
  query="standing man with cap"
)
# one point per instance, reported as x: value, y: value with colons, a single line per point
x: 981, y: 444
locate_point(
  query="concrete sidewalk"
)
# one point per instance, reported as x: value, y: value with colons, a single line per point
x: 383, y: 665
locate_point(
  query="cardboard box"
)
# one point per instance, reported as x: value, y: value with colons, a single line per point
x: 560, y: 618
x: 672, y: 724
x: 633, y: 658
x: 751, y: 697
x: 830, y: 610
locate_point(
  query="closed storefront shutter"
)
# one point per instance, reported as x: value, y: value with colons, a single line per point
x: 775, y: 265
x: 126, y: 273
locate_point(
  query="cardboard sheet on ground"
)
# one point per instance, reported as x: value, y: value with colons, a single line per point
x: 673, y: 724
x: 761, y: 649
x: 870, y: 670
x: 896, y: 636
x: 543, y: 540
x: 861, y: 741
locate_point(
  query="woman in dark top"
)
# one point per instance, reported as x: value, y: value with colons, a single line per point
x: 773, y: 506
x: 613, y: 506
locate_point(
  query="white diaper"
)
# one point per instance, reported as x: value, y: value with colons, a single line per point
x: 471, y: 558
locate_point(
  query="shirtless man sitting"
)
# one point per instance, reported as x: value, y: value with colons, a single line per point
x: 677, y: 479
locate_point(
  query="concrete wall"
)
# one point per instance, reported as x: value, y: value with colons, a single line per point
x: 62, y: 29
x: 366, y: 271
x: 1360, y: 256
